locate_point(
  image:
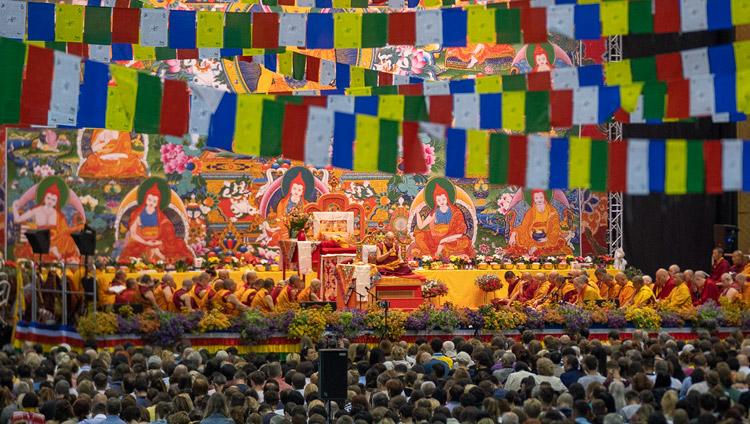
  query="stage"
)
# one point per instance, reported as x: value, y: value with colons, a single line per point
x: 461, y: 289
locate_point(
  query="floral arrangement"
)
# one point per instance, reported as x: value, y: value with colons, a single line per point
x: 488, y: 282
x: 256, y: 327
x: 376, y: 321
x: 183, y: 265
x: 214, y: 320
x: 100, y: 323
x: 480, y: 259
x: 460, y: 261
x: 347, y: 323
x: 309, y: 322
x: 535, y: 319
x: 434, y: 288
x: 296, y: 221
x: 645, y: 318
x: 710, y: 316
x: 670, y: 318
x: 505, y: 318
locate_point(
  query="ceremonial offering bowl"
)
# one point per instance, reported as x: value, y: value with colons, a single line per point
x: 521, y: 266
x: 536, y: 265
x: 274, y: 267
x: 548, y: 265
x: 260, y: 268
x: 482, y: 266
x: 508, y: 265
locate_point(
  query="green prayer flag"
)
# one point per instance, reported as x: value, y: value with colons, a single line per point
x: 514, y: 82
x: 508, y: 26
x: 653, y: 100
x: 11, y: 78
x: 359, y: 3
x: 98, y: 25
x: 238, y: 30
x: 499, y: 159
x: 640, y: 18
x: 272, y: 123
x: 374, y: 30
x: 371, y: 78
x: 415, y: 109
x: 60, y: 46
x: 644, y: 69
x: 147, y: 104
x: 599, y: 165
x: 210, y: 29
x: 165, y: 53
x: 298, y: 66
x: 69, y: 23
x: 537, y: 111
x: 116, y: 117
x: 388, y: 150
x: 384, y: 90
x: 695, y: 171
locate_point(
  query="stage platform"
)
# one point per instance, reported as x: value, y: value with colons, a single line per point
x: 50, y: 336
x: 461, y: 289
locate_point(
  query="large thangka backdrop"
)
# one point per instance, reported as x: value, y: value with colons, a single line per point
x: 164, y: 198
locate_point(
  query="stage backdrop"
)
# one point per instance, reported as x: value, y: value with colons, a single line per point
x: 166, y: 198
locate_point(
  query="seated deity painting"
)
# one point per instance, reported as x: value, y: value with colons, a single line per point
x: 442, y: 220
x: 541, y: 228
x: 154, y: 221
x: 111, y: 154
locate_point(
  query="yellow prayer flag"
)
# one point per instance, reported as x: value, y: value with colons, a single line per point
x: 253, y: 52
x: 285, y: 63
x: 514, y: 110
x: 477, y: 149
x: 580, y: 162
x: 489, y: 84
x: 391, y: 107
x: 629, y: 96
x: 347, y: 30
x: 618, y: 73
x: 740, y: 12
x: 676, y: 170
x: 116, y: 117
x: 432, y: 3
x: 69, y: 23
x: 743, y: 91
x: 210, y: 29
x: 342, y: 4
x: 742, y: 55
x: 359, y: 91
x: 481, y: 25
x: 367, y: 145
x: 126, y: 80
x: 357, y: 76
x: 615, y: 18
x: 143, y: 53
x: 247, y: 135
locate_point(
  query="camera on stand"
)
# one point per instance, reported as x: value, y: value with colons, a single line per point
x: 384, y: 304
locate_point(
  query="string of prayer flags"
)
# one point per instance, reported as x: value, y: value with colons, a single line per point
x: 11, y: 79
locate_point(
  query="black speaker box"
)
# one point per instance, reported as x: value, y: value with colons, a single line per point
x: 39, y: 240
x: 332, y: 374
x: 85, y: 241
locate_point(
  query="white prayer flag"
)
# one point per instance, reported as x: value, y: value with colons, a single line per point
x: 292, y: 29
x: 586, y: 105
x: 154, y: 24
x: 695, y: 62
x: 344, y: 104
x: 63, y: 108
x: 537, y: 162
x: 731, y: 165
x: 318, y: 138
x: 565, y: 78
x: 429, y: 27
x: 637, y: 167
x: 702, y: 102
x: 12, y: 19
x: 694, y: 15
x: 560, y: 19
x: 200, y: 115
x: 466, y: 110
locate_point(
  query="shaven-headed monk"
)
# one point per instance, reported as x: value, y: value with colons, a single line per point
x: 663, y: 285
x: 625, y: 290
x: 541, y: 289
x: 679, y: 298
x: 525, y: 281
x: 289, y: 293
x: 643, y: 296
x: 310, y: 294
x: 263, y: 299
x: 181, y: 298
x: 227, y: 300
x: 586, y: 291
x: 163, y: 293
x: 251, y: 291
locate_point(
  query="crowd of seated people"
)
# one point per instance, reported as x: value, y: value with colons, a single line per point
x: 555, y: 380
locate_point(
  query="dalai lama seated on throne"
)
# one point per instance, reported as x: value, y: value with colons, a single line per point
x: 389, y: 260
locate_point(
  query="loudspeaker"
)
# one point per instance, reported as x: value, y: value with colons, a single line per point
x: 39, y: 241
x: 332, y: 374
x: 725, y: 236
x: 85, y: 241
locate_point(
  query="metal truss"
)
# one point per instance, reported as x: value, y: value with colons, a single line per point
x: 614, y: 132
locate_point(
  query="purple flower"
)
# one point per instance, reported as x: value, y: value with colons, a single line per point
x: 475, y: 319
x: 535, y: 320
x: 417, y: 322
x: 128, y: 325
x: 616, y: 319
x: 350, y: 325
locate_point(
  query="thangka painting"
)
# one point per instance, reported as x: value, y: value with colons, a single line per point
x: 166, y: 199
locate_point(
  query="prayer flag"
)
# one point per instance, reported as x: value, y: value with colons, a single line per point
x: 614, y: 15
x: 499, y: 158
x: 599, y: 159
x: 618, y: 165
x: 517, y: 151
x: 637, y: 167
x: 92, y: 107
x: 318, y: 137
x: 388, y: 146
x: 414, y: 161
x: 69, y: 23
x: 731, y: 165
x: 514, y: 107
x: 481, y: 25
x: 148, y: 104
x: 11, y: 80
x: 538, y: 162
x: 13, y: 19
x: 222, y: 129
x: 154, y: 25
x: 37, y: 85
x: 125, y: 25
x: 676, y: 169
x: 712, y: 158
x: 266, y: 30
x: 344, y: 133
x: 63, y: 108
x: 296, y: 125
x: 558, y: 166
x: 347, y: 30
x: 477, y: 149
x: 656, y: 164
x: 175, y: 107
x: 367, y: 144
x: 580, y: 162
x: 41, y: 21
x: 210, y: 29
x: 695, y: 167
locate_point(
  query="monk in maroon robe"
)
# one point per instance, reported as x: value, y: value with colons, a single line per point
x: 720, y: 265
x: 738, y: 262
x: 389, y: 260
x: 706, y: 288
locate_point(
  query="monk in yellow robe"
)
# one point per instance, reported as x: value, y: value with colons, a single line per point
x: 586, y: 291
x: 112, y: 156
x: 539, y: 233
x: 643, y: 295
x: 543, y: 288
x: 310, y: 293
x: 679, y: 298
x: 626, y: 289
x: 262, y: 299
x: 152, y: 234
x: 443, y: 232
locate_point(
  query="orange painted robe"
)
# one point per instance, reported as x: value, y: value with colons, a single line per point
x: 428, y: 240
x: 59, y: 236
x: 115, y: 159
x: 157, y: 227
x: 536, y: 225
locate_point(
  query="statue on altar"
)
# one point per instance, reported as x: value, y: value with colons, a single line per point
x: 51, y: 195
x: 389, y: 260
x: 110, y: 154
x: 151, y: 231
x: 539, y: 232
x: 443, y: 225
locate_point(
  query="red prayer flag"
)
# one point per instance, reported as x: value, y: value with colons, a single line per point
x: 320, y: 101
x: 618, y: 165
x: 411, y: 89
x: 519, y: 4
x: 534, y: 25
x: 539, y: 81
x: 561, y: 108
x: 122, y: 4
x: 126, y: 25
x: 37, y: 86
x: 414, y: 162
x: 76, y: 49
x: 293, y: 132
x: 385, y: 79
x: 265, y: 31
x: 621, y: 115
x: 441, y: 109
x: 712, y: 164
x: 312, y: 69
x: 175, y: 108
x: 669, y: 66
x: 402, y: 29
x: 517, y: 146
x: 678, y: 99
x: 183, y: 54
x: 666, y: 16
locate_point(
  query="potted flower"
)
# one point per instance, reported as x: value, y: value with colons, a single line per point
x: 261, y: 266
x: 425, y: 261
x: 523, y: 262
x: 507, y: 262
x: 434, y: 288
x: 159, y: 266
x: 550, y: 262
x: 535, y: 264
x: 274, y: 266
x: 296, y: 222
x: 181, y: 265
x: 488, y: 283
x: 481, y: 261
